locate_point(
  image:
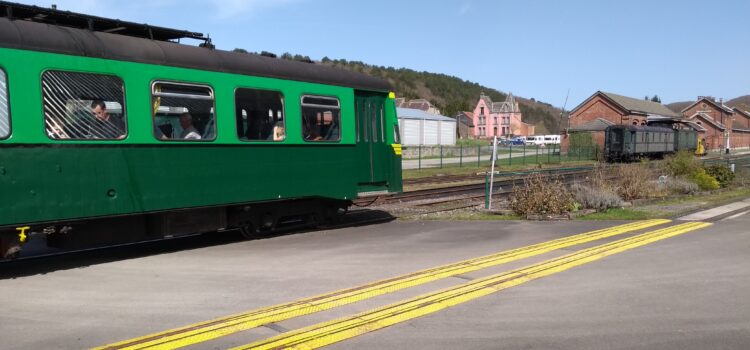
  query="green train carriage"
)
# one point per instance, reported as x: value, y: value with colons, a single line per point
x: 627, y: 143
x: 279, y: 141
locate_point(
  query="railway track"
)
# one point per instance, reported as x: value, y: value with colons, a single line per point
x: 476, y: 190
x: 480, y: 176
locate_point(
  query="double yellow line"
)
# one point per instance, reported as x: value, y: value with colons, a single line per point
x: 220, y: 327
x: 326, y: 333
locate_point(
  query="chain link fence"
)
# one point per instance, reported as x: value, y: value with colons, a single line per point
x: 421, y: 157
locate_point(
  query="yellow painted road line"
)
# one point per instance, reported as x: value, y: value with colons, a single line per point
x: 219, y: 327
x: 326, y: 333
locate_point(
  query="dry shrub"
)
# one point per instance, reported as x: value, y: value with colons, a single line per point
x: 596, y: 198
x: 682, y: 186
x: 541, y: 195
x: 634, y: 181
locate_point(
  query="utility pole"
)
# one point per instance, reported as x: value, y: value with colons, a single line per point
x: 562, y: 112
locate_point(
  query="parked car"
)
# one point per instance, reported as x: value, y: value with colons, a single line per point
x: 518, y: 141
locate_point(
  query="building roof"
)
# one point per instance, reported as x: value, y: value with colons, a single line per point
x: 710, y: 101
x: 695, y: 126
x: 641, y: 105
x: 508, y: 106
x: 411, y: 113
x: 466, y: 118
x: 708, y: 118
x: 632, y: 105
x: 745, y: 114
x: 598, y: 124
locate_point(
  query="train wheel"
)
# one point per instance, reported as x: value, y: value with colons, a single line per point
x: 248, y: 231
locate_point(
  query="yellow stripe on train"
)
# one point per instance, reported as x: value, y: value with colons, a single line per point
x: 396, y: 148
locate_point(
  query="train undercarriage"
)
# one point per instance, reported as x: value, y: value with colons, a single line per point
x: 252, y: 219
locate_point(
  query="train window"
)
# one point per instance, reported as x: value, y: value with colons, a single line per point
x: 260, y: 115
x: 83, y: 106
x: 321, y: 118
x: 4, y: 110
x: 183, y: 111
x: 396, y: 135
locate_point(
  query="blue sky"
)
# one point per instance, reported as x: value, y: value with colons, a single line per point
x: 534, y: 48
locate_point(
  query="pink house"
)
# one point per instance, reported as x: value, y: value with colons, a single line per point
x: 499, y: 118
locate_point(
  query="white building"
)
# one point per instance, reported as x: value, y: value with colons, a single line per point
x: 421, y: 128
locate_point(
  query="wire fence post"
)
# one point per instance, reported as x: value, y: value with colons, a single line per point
x: 461, y: 156
x: 441, y: 156
x: 419, y: 156
x: 510, y: 155
x: 479, y: 155
x: 547, y: 154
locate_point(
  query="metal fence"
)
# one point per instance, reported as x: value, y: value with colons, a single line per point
x: 421, y: 157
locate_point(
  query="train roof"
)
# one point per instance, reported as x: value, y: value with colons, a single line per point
x: 65, y: 38
x: 639, y: 128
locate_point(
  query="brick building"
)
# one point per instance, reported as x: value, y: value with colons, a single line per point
x: 603, y: 109
x: 721, y: 126
x: 499, y: 118
x: 741, y: 129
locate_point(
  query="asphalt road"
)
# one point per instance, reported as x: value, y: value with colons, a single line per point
x: 684, y: 292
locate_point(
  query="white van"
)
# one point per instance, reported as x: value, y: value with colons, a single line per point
x: 534, y: 140
x: 551, y: 139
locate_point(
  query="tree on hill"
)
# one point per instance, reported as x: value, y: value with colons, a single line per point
x: 656, y: 99
x: 448, y: 93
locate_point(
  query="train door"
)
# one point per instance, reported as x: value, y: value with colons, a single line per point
x: 372, y: 138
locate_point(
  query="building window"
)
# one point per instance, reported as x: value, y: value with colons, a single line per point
x: 321, y: 118
x: 183, y: 111
x: 260, y: 115
x: 83, y: 106
x: 481, y: 110
x: 4, y: 110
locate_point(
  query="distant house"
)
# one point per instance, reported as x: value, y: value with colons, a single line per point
x: 420, y: 104
x: 418, y: 127
x: 603, y: 109
x: 465, y: 125
x: 499, y: 118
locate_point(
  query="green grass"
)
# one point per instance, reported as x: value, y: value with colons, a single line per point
x: 464, y: 216
x: 650, y: 211
x: 621, y: 214
x: 485, y: 167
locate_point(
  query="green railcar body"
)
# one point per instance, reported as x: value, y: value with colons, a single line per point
x: 46, y: 181
x: 624, y: 142
x: 686, y: 140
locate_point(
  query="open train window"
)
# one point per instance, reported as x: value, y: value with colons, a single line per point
x: 321, y: 118
x: 4, y: 110
x: 183, y: 112
x: 83, y: 106
x: 260, y: 115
